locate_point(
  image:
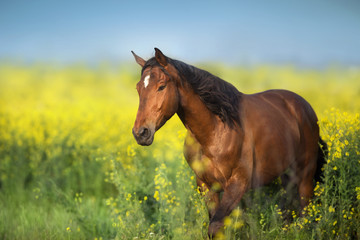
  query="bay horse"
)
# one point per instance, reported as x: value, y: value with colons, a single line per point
x: 235, y: 141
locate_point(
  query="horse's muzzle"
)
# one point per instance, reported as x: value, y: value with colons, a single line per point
x: 143, y: 136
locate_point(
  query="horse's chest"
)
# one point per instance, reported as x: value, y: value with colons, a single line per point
x: 206, y: 169
x: 208, y: 172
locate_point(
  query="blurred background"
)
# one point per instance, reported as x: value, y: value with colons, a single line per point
x: 305, y: 33
x: 69, y: 165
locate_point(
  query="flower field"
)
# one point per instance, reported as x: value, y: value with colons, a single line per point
x: 71, y: 169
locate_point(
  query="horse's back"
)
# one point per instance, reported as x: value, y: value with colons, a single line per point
x: 284, y: 102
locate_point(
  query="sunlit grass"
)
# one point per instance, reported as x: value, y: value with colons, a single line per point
x: 70, y: 168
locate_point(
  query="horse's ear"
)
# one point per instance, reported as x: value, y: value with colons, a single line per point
x: 138, y: 59
x: 160, y: 57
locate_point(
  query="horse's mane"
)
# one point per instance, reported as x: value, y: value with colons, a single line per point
x: 219, y: 96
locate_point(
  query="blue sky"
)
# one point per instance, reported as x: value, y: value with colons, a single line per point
x: 301, y: 32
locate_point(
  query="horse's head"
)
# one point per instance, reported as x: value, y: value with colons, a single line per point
x: 158, y: 94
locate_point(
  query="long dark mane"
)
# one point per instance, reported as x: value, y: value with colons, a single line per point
x: 219, y: 96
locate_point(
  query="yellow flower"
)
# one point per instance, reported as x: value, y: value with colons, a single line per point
x: 227, y: 221
x: 220, y: 236
x: 236, y: 213
x: 238, y: 224
x: 156, y: 196
x: 331, y: 209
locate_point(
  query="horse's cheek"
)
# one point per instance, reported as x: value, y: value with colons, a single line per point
x: 161, y: 107
x: 161, y: 103
x: 167, y: 102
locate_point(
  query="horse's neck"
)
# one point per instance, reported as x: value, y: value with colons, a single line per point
x: 196, y: 117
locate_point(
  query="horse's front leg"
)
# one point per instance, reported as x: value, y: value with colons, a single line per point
x: 233, y: 192
x: 211, y: 197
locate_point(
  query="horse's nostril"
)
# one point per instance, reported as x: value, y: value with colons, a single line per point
x: 143, y: 132
x: 143, y: 136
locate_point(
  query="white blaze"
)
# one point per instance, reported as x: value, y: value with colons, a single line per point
x: 146, y: 80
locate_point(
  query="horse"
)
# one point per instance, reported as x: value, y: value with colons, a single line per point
x: 235, y: 141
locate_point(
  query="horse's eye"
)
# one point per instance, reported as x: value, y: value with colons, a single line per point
x: 161, y: 88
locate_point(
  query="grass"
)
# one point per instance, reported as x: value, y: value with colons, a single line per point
x: 27, y: 215
x: 70, y: 168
